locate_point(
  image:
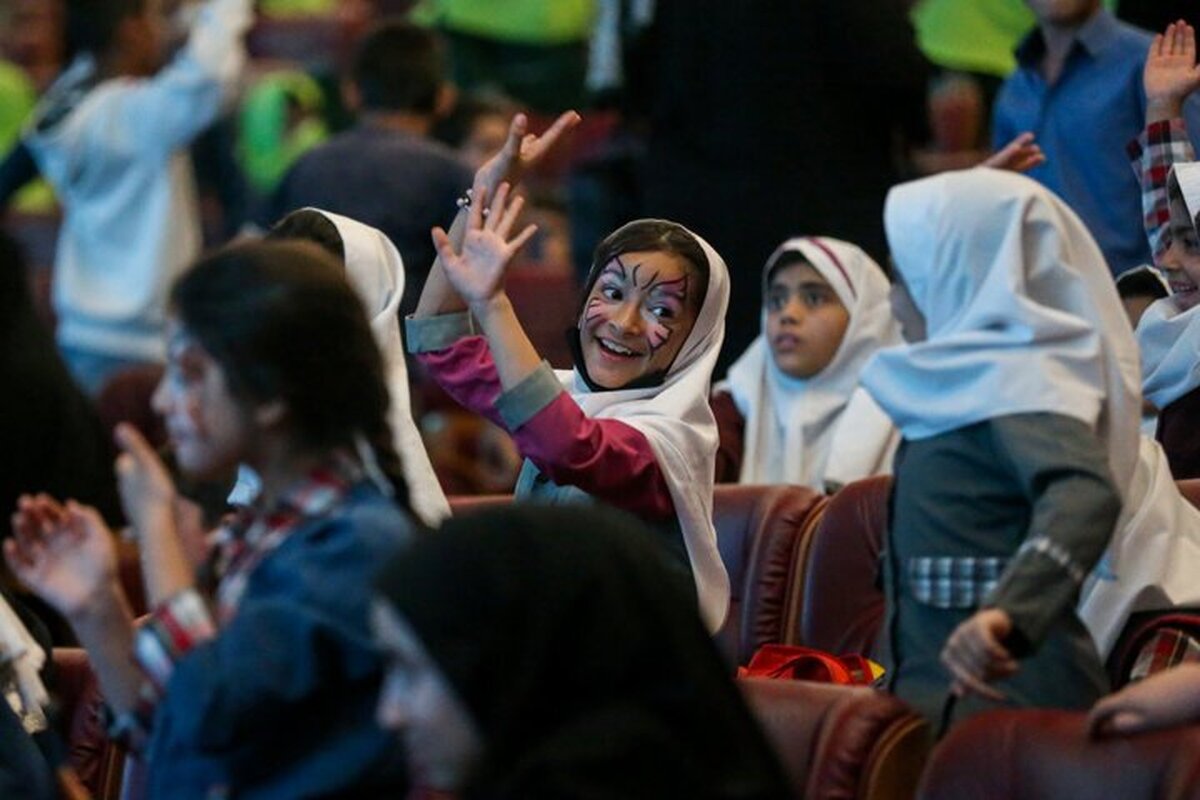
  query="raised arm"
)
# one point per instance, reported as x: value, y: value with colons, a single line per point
x: 477, y: 276
x: 1171, y: 73
x: 1169, y: 77
x: 521, y: 152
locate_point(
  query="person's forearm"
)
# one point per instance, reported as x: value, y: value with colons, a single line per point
x: 515, y: 356
x: 105, y: 629
x: 438, y: 296
x: 165, y: 565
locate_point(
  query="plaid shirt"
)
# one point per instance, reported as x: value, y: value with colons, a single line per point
x: 185, y: 621
x: 1152, y: 154
x: 953, y: 582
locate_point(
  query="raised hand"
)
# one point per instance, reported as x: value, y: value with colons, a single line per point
x: 975, y: 656
x: 522, y: 151
x: 1171, y: 73
x: 1020, y: 155
x: 477, y: 273
x: 64, y: 554
x: 147, y: 491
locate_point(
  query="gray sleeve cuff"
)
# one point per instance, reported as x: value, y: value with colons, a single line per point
x: 520, y: 403
x: 437, y: 333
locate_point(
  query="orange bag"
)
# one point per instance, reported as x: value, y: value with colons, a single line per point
x: 789, y: 662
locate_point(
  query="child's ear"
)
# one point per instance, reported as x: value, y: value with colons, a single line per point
x: 447, y: 99
x: 351, y: 96
x: 270, y: 414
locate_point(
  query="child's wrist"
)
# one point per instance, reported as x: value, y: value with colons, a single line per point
x: 485, y: 307
x: 1163, y: 108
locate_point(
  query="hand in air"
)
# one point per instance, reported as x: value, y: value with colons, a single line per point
x: 975, y: 656
x: 1020, y: 155
x: 1171, y: 74
x: 147, y: 491
x: 522, y: 151
x: 64, y: 554
x: 477, y: 273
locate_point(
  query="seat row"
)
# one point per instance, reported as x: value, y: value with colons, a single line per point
x: 802, y: 570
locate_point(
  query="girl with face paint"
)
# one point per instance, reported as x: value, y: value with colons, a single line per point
x: 630, y: 424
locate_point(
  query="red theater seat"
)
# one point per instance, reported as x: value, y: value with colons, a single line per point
x: 96, y: 760
x: 1047, y: 755
x: 845, y: 742
x: 841, y: 608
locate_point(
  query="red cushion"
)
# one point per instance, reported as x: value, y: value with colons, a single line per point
x: 841, y: 609
x: 1048, y: 754
x: 840, y: 741
x: 760, y: 533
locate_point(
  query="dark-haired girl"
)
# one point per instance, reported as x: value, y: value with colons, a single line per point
x: 630, y: 425
x: 259, y: 679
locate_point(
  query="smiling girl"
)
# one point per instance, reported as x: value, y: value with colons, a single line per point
x: 630, y: 425
x: 791, y: 410
x: 1169, y: 330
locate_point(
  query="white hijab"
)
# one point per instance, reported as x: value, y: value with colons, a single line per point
x: 1169, y: 337
x: 1153, y: 562
x: 1021, y: 313
x: 676, y: 420
x: 823, y: 429
x: 21, y: 653
x: 376, y: 271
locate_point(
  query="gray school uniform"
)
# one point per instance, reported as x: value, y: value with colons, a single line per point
x: 1010, y: 513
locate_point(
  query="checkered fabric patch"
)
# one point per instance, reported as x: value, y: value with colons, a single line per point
x: 953, y: 582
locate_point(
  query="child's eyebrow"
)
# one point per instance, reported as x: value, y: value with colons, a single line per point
x: 618, y: 270
x: 676, y: 288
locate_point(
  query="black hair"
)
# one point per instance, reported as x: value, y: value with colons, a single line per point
x: 398, y: 67
x: 308, y: 225
x: 788, y: 258
x: 649, y: 235
x: 270, y: 313
x: 92, y: 25
x: 1140, y: 282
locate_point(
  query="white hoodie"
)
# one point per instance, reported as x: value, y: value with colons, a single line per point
x: 115, y: 152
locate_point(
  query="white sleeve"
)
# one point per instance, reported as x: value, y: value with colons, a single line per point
x: 164, y: 113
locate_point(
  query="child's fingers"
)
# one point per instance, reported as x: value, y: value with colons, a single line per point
x: 443, y: 245
x: 19, y: 561
x: 565, y: 122
x: 524, y: 237
x: 496, y: 211
x: 478, y: 202
x: 131, y: 441
x: 509, y: 219
x: 516, y: 133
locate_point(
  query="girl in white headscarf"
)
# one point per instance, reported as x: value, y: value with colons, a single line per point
x: 1019, y: 408
x: 790, y: 409
x: 375, y: 269
x: 376, y: 272
x: 630, y: 425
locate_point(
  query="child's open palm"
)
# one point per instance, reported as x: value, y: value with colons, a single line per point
x: 1171, y: 73
x: 477, y: 273
x: 64, y: 553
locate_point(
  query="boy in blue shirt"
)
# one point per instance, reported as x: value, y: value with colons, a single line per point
x: 1078, y: 88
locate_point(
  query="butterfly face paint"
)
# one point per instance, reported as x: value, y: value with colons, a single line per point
x: 637, y: 317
